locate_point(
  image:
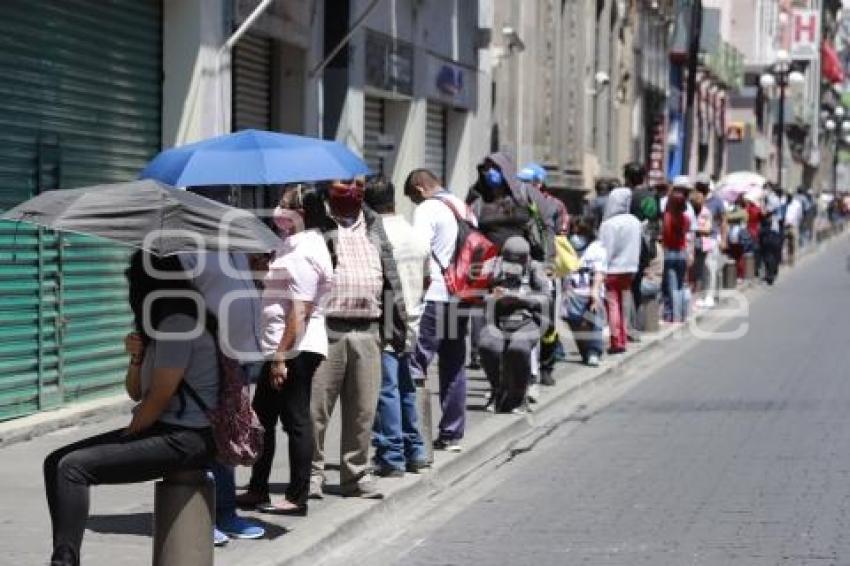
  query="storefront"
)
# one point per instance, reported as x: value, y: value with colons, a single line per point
x: 81, y: 106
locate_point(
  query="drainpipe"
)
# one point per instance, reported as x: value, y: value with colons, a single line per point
x: 227, y: 48
x: 317, y: 71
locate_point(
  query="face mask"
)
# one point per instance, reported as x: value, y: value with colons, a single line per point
x: 346, y: 201
x: 578, y: 241
x: 287, y: 221
x: 493, y: 177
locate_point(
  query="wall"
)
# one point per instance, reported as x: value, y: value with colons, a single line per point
x: 193, y: 108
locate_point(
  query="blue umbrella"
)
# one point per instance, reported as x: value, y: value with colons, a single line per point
x: 253, y: 157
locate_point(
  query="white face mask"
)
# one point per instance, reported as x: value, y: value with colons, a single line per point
x: 287, y: 221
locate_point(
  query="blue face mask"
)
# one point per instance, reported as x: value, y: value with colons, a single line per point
x: 578, y: 241
x: 493, y: 178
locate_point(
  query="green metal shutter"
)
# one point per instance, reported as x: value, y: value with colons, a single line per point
x: 81, y: 94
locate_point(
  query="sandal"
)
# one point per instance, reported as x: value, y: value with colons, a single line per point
x: 284, y: 507
x: 251, y: 499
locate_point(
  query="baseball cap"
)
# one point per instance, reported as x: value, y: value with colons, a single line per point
x: 532, y: 172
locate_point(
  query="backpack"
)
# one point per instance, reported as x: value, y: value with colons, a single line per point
x: 468, y: 273
x: 566, y: 258
x: 237, y: 430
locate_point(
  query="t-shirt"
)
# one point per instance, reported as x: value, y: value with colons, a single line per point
x: 715, y: 205
x: 594, y: 260
x: 794, y: 213
x: 435, y: 223
x: 302, y: 271
x: 411, y: 257
x: 227, y: 285
x: 198, y: 358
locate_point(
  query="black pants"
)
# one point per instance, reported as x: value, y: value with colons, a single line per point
x: 506, y: 359
x: 114, y: 458
x: 771, y: 253
x: 549, y: 340
x: 291, y: 405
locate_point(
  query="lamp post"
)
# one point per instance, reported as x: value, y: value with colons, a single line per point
x: 839, y: 127
x: 781, y: 74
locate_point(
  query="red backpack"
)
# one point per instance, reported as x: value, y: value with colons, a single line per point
x: 468, y: 274
x: 236, y: 428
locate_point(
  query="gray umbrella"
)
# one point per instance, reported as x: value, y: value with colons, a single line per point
x: 148, y: 215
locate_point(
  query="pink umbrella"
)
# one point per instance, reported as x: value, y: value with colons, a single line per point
x: 732, y: 186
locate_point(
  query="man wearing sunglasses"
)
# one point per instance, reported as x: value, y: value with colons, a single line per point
x: 364, y: 311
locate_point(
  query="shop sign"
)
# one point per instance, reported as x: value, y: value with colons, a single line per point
x: 450, y: 83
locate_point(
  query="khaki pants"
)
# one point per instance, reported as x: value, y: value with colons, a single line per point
x: 352, y: 374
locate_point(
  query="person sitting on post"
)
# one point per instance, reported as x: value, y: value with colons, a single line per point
x: 514, y: 313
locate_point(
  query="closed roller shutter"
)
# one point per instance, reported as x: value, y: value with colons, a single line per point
x: 435, y: 140
x: 252, y: 92
x: 81, y: 94
x: 373, y: 126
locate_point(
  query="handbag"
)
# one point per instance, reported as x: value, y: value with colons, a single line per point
x: 566, y: 258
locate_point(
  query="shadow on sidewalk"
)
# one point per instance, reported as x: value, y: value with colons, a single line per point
x: 138, y: 524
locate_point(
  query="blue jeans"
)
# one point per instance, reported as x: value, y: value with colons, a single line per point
x: 395, y: 435
x: 673, y: 285
x: 586, y: 325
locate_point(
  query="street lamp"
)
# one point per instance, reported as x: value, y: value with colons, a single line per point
x: 839, y: 128
x: 781, y: 74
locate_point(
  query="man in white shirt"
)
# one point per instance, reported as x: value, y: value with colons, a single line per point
x: 398, y: 442
x: 443, y: 326
x: 793, y: 219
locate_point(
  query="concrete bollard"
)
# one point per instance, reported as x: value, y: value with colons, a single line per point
x: 649, y: 315
x: 423, y: 414
x: 184, y: 506
x: 749, y: 266
x: 730, y: 275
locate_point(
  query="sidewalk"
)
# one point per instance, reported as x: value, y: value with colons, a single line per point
x: 120, y: 524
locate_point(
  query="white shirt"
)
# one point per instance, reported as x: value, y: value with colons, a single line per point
x: 794, y: 213
x: 302, y: 271
x: 435, y: 223
x: 411, y: 255
x: 594, y: 260
x: 228, y: 288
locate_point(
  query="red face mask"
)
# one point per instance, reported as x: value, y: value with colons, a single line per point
x: 346, y: 198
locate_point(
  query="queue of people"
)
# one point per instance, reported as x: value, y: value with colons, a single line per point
x: 354, y: 305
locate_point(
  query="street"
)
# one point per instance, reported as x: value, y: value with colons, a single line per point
x: 734, y: 453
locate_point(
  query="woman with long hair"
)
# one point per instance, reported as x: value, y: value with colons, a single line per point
x: 674, y: 238
x: 294, y: 343
x: 174, y: 342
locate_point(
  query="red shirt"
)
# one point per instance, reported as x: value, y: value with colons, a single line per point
x: 674, y: 235
x: 753, y: 220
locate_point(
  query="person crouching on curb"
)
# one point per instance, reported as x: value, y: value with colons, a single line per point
x: 514, y: 318
x: 584, y: 293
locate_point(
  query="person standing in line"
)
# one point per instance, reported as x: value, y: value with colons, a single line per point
x: 398, y: 442
x: 793, y: 221
x: 620, y: 234
x: 595, y: 209
x: 674, y: 237
x: 294, y: 342
x: 550, y: 342
x: 227, y: 284
x: 443, y: 325
x: 644, y: 207
x: 360, y: 318
x: 715, y: 241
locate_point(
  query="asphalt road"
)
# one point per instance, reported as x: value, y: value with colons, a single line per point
x: 737, y: 452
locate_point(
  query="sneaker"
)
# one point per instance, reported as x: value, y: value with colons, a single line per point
x: 418, y: 466
x: 546, y: 378
x: 447, y: 444
x: 237, y: 527
x: 219, y: 538
x: 708, y: 303
x: 365, y: 488
x: 533, y: 393
x: 317, y: 488
x: 593, y: 360
x: 388, y: 472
